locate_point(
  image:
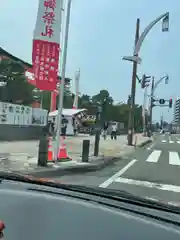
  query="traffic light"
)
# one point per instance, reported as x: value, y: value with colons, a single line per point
x: 170, y: 103
x: 145, y: 81
x: 161, y: 101
x: 152, y: 102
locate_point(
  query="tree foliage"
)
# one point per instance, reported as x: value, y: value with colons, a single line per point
x: 14, y: 86
x: 15, y: 89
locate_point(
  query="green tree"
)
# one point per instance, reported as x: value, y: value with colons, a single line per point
x: 68, y: 97
x: 15, y: 88
x: 101, y: 97
x: 46, y: 99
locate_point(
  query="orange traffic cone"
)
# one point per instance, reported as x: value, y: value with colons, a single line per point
x: 50, y: 151
x: 62, y: 155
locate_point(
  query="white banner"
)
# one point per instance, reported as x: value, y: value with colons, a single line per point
x: 46, y: 44
x: 48, y: 23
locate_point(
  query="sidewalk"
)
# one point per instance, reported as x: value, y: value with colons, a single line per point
x: 22, y: 156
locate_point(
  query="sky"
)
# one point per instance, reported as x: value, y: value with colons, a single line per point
x: 101, y: 33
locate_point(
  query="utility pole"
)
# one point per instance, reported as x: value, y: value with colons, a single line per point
x: 151, y: 107
x: 133, y: 91
x: 161, y: 120
x: 144, y: 111
x: 98, y: 131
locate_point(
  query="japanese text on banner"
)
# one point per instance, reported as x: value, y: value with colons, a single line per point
x: 49, y: 17
x: 45, y: 46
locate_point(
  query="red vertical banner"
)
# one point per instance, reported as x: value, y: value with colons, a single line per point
x: 46, y: 44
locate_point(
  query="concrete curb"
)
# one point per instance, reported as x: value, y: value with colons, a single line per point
x: 61, y: 171
x: 3, y: 158
x: 75, y: 169
x: 144, y: 143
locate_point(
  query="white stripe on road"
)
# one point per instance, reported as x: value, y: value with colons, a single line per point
x: 178, y: 142
x: 116, y: 175
x: 165, y: 187
x: 151, y: 146
x: 174, y: 158
x: 154, y: 156
x: 163, y: 141
x: 171, y: 141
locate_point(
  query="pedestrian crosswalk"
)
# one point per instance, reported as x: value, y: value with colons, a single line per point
x: 172, y: 156
x: 154, y: 156
x: 170, y: 141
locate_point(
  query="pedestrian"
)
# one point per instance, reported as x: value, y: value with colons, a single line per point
x: 105, y: 129
x: 75, y: 125
x: 114, y: 131
x: 63, y: 126
x: 49, y: 127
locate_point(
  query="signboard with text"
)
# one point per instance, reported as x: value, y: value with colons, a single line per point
x: 46, y: 44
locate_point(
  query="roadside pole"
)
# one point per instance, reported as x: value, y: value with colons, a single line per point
x: 133, y: 92
x: 151, y: 107
x: 144, y: 111
x: 61, y: 89
x: 98, y: 131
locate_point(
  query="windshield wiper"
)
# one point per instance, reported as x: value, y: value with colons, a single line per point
x: 109, y: 194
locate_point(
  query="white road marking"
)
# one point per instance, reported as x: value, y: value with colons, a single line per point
x: 154, y: 156
x: 164, y: 187
x: 150, y: 147
x: 163, y: 141
x: 178, y: 141
x: 177, y: 204
x: 171, y: 141
x: 174, y: 158
x: 116, y: 175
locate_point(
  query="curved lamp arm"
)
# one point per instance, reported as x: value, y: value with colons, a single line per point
x: 146, y: 31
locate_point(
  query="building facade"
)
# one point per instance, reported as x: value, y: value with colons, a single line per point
x: 177, y: 111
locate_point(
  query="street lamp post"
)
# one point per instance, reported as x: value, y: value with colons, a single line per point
x: 153, y: 88
x: 166, y: 80
x: 61, y: 90
x: 144, y: 110
x: 76, y: 97
x: 133, y: 91
x: 151, y: 107
x: 137, y: 60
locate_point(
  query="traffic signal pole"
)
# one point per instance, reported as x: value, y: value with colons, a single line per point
x: 133, y: 92
x: 144, y: 111
x: 151, y: 107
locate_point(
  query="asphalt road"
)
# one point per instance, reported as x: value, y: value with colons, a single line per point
x: 151, y: 172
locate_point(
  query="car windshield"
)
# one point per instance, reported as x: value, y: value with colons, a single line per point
x: 87, y: 94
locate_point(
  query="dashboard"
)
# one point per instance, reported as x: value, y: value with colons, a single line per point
x: 37, y: 212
